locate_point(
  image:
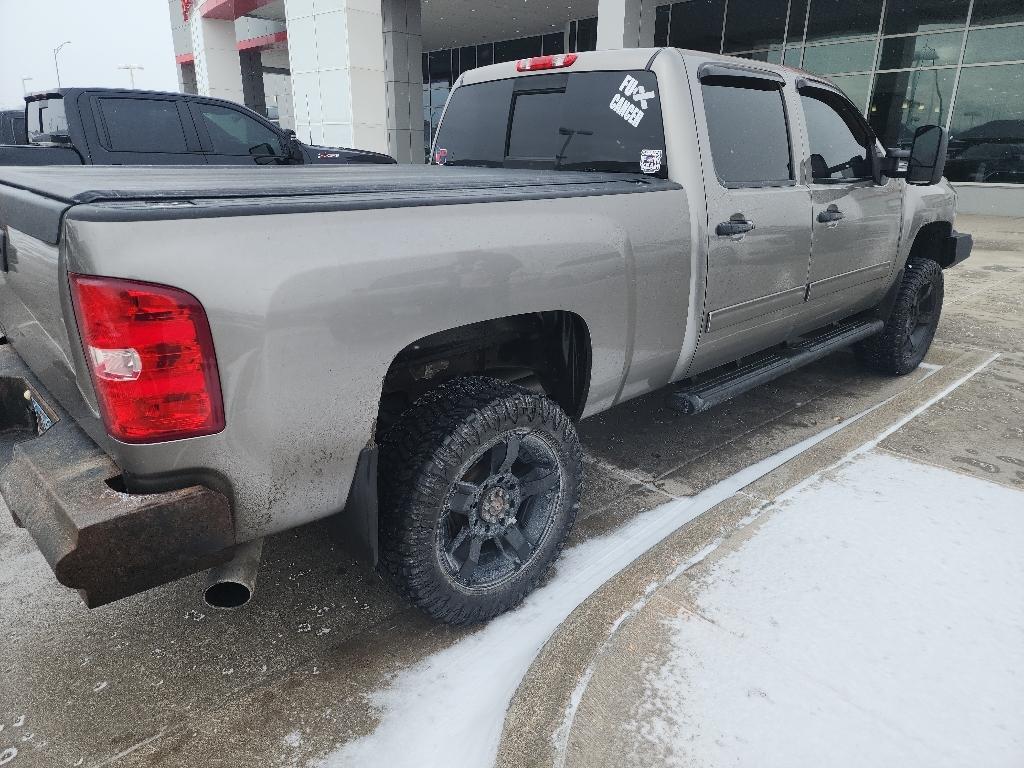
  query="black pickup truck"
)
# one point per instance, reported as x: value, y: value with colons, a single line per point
x: 102, y: 126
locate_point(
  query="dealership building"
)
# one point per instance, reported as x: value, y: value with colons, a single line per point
x: 374, y: 74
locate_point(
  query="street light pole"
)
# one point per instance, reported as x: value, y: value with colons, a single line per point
x: 55, y: 64
x: 131, y: 71
x: 24, y: 89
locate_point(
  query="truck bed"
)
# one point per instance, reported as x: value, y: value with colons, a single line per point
x: 136, y: 193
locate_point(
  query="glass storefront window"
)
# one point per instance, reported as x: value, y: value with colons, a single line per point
x: 920, y: 51
x: 904, y: 101
x: 840, y: 57
x: 995, y: 44
x: 661, y: 18
x: 841, y: 19
x: 797, y: 19
x: 697, y: 24
x: 770, y: 57
x: 997, y: 12
x: 794, y: 56
x: 751, y: 24
x: 902, y: 16
x: 440, y: 66
x: 986, y: 137
x: 856, y: 87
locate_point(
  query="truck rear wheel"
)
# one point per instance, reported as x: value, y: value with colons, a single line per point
x: 480, y: 483
x: 908, y: 333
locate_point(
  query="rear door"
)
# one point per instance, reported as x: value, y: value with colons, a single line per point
x: 143, y: 130
x: 856, y: 222
x: 759, y: 233
x: 235, y: 137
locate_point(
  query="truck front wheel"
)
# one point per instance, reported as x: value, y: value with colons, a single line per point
x: 480, y: 483
x: 908, y: 333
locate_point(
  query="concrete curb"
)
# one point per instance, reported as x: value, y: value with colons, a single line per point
x: 538, y: 708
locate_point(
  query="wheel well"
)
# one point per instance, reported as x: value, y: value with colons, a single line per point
x: 928, y: 243
x: 548, y: 352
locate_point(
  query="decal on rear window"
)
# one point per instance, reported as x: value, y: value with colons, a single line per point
x: 624, y: 103
x: 650, y: 160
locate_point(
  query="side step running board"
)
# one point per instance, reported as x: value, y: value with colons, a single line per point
x: 725, y: 386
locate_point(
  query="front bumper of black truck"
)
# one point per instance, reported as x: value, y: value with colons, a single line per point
x: 64, y: 490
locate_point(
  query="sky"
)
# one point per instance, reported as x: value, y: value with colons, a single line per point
x: 103, y: 34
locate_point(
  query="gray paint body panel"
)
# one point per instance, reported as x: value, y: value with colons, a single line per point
x: 315, y: 280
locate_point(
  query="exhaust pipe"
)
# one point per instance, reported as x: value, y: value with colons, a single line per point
x: 233, y: 584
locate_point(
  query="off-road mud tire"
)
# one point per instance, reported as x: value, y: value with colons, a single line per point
x: 421, y: 458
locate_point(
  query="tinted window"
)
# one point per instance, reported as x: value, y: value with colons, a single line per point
x: 797, y: 19
x: 986, y: 135
x: 837, y: 139
x: 46, y: 120
x: 923, y: 15
x: 755, y: 24
x: 234, y: 133
x: 697, y: 24
x: 475, y: 125
x: 747, y: 128
x: 920, y: 51
x: 839, y: 57
x: 590, y: 121
x: 996, y: 44
x: 904, y: 101
x: 143, y: 125
x: 531, y: 135
x: 997, y: 11
x: 836, y: 19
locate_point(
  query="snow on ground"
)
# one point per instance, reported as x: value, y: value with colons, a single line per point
x: 877, y: 618
x: 448, y: 709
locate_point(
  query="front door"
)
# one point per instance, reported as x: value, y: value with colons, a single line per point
x: 758, y: 216
x: 856, y: 223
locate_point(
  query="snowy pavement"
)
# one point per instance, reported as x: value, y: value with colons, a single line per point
x: 875, y: 618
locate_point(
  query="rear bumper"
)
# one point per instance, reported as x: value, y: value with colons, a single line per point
x: 956, y: 248
x: 62, y: 488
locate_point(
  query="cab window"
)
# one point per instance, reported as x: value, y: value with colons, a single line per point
x: 234, y: 133
x: 839, y: 142
x: 143, y: 125
x: 576, y: 121
x: 748, y: 132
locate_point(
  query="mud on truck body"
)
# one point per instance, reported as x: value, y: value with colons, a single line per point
x: 192, y: 362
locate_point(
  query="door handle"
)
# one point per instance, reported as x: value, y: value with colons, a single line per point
x: 831, y: 215
x: 734, y: 227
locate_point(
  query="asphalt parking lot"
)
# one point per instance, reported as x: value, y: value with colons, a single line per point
x: 161, y: 680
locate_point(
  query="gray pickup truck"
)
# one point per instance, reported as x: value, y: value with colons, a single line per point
x: 192, y: 362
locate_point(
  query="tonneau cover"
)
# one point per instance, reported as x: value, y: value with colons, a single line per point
x: 146, y: 192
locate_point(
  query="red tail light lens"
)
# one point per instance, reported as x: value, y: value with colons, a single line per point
x: 546, y: 62
x: 151, y: 356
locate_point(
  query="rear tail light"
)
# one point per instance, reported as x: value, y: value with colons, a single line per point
x: 151, y: 357
x: 546, y: 62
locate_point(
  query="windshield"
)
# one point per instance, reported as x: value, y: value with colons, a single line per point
x: 586, y: 121
x: 47, y: 123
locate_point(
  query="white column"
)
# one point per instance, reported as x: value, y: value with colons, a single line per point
x: 625, y: 24
x: 403, y: 48
x: 218, y: 72
x: 336, y: 54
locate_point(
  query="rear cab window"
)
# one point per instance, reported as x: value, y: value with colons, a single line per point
x: 143, y: 125
x: 46, y: 121
x: 581, y: 121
